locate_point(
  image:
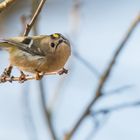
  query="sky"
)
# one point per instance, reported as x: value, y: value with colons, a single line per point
x: 102, y: 26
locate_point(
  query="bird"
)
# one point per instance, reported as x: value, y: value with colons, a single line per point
x: 37, y: 54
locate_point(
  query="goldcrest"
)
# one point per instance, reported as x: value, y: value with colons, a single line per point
x: 43, y: 53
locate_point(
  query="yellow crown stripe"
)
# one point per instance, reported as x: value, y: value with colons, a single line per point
x: 56, y: 35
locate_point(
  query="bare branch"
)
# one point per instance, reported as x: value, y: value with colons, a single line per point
x: 19, y: 79
x: 23, y: 20
x: 115, y: 108
x: 5, y: 4
x: 31, y: 23
x: 118, y: 90
x: 103, y: 79
x: 99, y: 123
x: 86, y: 63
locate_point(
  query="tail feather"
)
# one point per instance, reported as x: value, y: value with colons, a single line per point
x: 4, y: 43
x: 3, y: 40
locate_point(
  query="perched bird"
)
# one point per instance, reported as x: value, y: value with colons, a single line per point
x: 38, y: 54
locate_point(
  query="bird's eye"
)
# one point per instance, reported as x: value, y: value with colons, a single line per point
x: 52, y: 45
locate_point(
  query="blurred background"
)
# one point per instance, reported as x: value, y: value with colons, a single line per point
x: 95, y: 29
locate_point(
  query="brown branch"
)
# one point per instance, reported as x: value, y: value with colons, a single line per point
x: 103, y: 79
x: 5, y: 4
x: 31, y: 23
x: 23, y: 20
x: 20, y: 80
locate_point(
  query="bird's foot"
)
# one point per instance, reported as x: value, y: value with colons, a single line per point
x: 6, y: 74
x: 38, y: 75
x: 8, y: 71
x: 22, y: 77
x: 3, y: 78
x: 63, y: 71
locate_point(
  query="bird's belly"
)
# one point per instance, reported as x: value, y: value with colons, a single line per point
x: 27, y: 62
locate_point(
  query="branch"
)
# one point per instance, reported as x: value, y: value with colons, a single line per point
x: 98, y: 124
x: 117, y: 90
x: 5, y: 4
x: 105, y: 115
x: 31, y: 23
x: 86, y: 64
x: 22, y: 79
x: 115, y: 108
x: 103, y: 79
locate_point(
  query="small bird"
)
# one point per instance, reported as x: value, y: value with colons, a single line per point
x: 38, y: 54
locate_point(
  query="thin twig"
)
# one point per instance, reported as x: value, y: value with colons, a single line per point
x: 19, y: 79
x: 115, y: 108
x: 99, y: 123
x: 23, y: 20
x: 5, y: 4
x: 106, y: 112
x: 103, y: 79
x: 117, y: 90
x: 86, y: 64
x: 31, y: 23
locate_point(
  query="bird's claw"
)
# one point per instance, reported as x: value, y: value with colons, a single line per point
x: 63, y: 71
x: 38, y: 76
x: 11, y: 79
x: 22, y: 77
x: 3, y: 78
x: 6, y: 75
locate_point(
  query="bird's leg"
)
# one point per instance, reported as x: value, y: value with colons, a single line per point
x: 62, y: 71
x: 22, y: 77
x: 38, y: 75
x: 6, y: 73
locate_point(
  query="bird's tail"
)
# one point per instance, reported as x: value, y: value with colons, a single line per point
x: 6, y: 44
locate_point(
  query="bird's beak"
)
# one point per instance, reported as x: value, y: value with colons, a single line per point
x: 64, y: 40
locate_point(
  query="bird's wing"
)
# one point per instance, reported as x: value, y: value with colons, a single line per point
x: 27, y: 44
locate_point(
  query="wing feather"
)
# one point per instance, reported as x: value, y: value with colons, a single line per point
x: 26, y: 44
